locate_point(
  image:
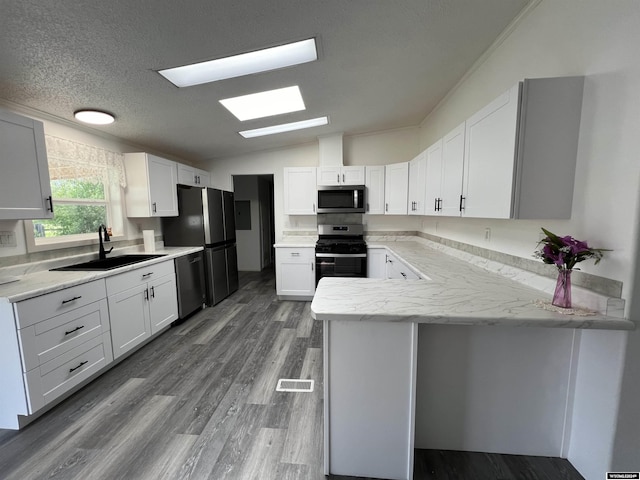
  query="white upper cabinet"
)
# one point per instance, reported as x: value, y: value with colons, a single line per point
x: 417, y: 178
x: 489, y: 158
x: 374, y: 181
x: 300, y: 191
x: 520, y: 152
x: 192, y: 176
x: 452, y: 172
x: 433, y: 156
x: 25, y: 191
x: 151, y: 186
x: 396, y: 188
x: 337, y: 175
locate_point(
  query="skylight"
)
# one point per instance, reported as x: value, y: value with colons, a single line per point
x: 243, y: 64
x: 285, y: 127
x: 265, y: 104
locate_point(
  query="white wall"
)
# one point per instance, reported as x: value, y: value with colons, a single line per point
x: 599, y: 40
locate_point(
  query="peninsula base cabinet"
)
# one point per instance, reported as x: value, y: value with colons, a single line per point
x: 141, y: 303
x: 295, y: 273
x: 369, y: 398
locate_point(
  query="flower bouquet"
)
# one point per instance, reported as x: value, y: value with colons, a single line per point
x: 564, y: 253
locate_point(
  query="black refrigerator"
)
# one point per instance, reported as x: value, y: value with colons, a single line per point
x: 206, y: 217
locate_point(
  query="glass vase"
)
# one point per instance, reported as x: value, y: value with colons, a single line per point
x: 562, y: 295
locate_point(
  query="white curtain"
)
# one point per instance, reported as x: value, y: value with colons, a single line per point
x: 68, y: 159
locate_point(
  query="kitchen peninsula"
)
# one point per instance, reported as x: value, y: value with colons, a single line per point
x: 462, y: 359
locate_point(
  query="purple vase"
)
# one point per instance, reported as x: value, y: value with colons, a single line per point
x: 562, y: 295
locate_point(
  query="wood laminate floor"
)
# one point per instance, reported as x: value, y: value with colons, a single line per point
x: 199, y: 402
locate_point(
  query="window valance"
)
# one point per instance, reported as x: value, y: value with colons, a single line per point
x: 72, y: 160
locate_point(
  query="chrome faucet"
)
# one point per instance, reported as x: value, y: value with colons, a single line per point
x: 102, y: 231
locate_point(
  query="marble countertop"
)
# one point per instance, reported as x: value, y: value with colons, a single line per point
x: 452, y: 291
x: 40, y: 282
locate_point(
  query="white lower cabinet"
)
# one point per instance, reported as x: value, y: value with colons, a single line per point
x: 63, y: 339
x: 54, y: 342
x: 141, y: 303
x: 295, y: 272
x: 398, y: 269
x: 377, y: 263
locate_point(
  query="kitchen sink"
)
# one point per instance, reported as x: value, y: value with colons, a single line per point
x: 108, y: 263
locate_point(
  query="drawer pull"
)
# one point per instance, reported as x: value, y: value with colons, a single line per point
x: 71, y: 299
x: 81, y: 364
x: 74, y: 330
x: 295, y: 254
x: 147, y: 275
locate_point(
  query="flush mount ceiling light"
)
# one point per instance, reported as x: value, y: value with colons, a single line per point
x: 94, y: 117
x: 285, y: 127
x: 265, y: 104
x: 243, y: 64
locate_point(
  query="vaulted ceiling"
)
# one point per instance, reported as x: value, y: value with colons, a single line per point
x: 382, y: 63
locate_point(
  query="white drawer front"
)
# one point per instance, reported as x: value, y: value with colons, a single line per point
x: 54, y: 378
x: 295, y: 255
x: 45, y: 340
x: 34, y: 310
x: 125, y: 281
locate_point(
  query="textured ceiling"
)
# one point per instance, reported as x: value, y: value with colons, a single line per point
x: 382, y: 63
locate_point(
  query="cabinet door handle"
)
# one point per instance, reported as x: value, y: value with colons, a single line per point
x: 50, y: 201
x: 461, y: 200
x: 312, y: 266
x: 74, y: 330
x: 153, y: 292
x: 368, y: 207
x: 146, y: 294
x: 81, y: 364
x: 146, y: 275
x: 439, y: 204
x: 403, y: 274
x: 338, y: 178
x: 435, y: 204
x: 153, y: 205
x: 343, y: 178
x: 71, y: 299
x: 314, y: 208
x: 386, y: 207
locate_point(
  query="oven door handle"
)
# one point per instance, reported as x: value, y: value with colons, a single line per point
x: 341, y: 255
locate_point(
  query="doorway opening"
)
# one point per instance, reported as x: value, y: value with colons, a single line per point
x: 255, y: 221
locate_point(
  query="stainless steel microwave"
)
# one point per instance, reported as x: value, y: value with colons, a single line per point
x: 341, y: 199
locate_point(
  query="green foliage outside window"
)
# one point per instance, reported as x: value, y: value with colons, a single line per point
x: 72, y: 218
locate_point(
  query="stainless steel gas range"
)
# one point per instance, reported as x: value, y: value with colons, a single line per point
x: 341, y: 251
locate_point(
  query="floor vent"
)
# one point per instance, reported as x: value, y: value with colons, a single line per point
x: 294, y: 385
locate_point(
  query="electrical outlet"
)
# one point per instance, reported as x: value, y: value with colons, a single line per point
x: 7, y: 239
x: 487, y: 234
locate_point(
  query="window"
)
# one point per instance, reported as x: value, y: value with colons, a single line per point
x: 86, y: 186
